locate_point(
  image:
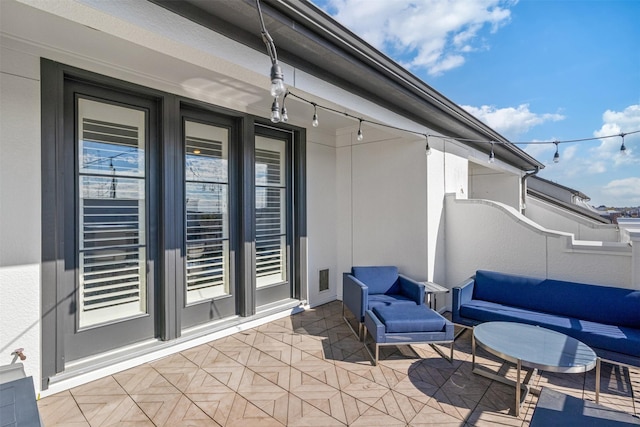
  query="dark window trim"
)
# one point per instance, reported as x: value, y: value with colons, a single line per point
x: 53, y: 77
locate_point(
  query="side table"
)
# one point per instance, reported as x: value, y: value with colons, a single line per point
x: 431, y: 290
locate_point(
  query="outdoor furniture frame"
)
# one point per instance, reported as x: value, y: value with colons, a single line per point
x: 405, y: 325
x: 374, y: 286
x: 532, y: 347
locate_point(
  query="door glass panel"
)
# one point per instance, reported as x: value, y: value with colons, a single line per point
x: 207, y: 211
x: 271, y: 208
x: 111, y: 213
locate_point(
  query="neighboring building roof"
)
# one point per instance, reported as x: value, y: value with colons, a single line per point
x: 563, y: 197
x: 538, y: 183
x: 309, y: 39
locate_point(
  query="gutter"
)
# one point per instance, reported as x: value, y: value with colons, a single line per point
x: 523, y: 189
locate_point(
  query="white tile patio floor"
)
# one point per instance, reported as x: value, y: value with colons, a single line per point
x: 309, y: 370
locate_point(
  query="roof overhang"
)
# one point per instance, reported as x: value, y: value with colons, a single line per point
x: 310, y: 40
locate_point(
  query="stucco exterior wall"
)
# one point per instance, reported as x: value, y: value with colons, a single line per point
x: 321, y: 217
x: 553, y: 218
x: 20, y: 209
x: 491, y: 183
x: 382, y: 204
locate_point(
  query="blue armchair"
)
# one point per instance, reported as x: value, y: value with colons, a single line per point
x: 367, y: 287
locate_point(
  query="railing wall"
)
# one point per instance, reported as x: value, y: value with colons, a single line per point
x: 555, y: 218
x: 481, y: 234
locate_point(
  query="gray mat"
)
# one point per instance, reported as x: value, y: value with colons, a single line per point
x: 557, y: 409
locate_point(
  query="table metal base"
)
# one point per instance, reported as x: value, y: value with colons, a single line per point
x: 521, y: 386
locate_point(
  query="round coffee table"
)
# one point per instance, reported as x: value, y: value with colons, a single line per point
x: 532, y: 347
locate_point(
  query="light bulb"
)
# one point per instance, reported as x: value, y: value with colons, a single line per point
x: 428, y: 150
x: 556, y: 157
x: 283, y: 113
x: 277, y: 81
x: 315, y: 120
x: 360, y: 137
x: 275, y: 111
x: 492, y: 157
x: 623, y: 149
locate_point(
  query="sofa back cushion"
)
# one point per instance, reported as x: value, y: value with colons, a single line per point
x: 602, y: 304
x: 379, y: 279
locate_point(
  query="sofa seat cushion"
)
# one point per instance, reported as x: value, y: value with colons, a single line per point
x: 381, y: 300
x: 409, y: 318
x: 597, y: 335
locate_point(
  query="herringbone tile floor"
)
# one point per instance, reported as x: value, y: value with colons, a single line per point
x: 310, y: 370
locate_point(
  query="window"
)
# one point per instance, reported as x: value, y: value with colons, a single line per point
x: 207, y: 211
x: 111, y: 212
x: 271, y: 212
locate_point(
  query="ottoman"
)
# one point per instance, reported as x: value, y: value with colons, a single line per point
x: 407, y: 324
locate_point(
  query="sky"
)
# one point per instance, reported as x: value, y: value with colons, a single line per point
x: 533, y: 70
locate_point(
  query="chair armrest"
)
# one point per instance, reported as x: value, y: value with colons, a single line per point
x: 461, y: 294
x: 412, y: 289
x: 355, y: 295
x: 375, y: 327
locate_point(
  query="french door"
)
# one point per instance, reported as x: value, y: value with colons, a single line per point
x: 209, y: 286
x: 109, y: 243
x: 160, y: 214
x: 273, y: 225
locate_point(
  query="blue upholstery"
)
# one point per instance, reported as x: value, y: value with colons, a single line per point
x: 380, y: 280
x: 404, y: 324
x: 380, y: 300
x: 409, y: 318
x: 614, y: 306
x: 375, y: 286
x: 605, y: 318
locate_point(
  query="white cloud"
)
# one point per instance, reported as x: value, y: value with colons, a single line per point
x: 511, y: 121
x: 616, y: 122
x: 432, y: 34
x: 626, y: 189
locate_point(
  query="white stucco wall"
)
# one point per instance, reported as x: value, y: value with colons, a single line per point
x: 20, y: 209
x: 554, y: 218
x: 488, y: 182
x: 321, y: 217
x: 493, y: 236
x: 382, y: 203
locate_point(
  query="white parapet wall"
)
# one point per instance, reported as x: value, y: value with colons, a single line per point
x: 556, y: 218
x: 482, y: 234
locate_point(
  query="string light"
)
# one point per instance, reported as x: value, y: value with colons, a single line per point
x: 277, y: 76
x: 452, y: 138
x: 278, y: 89
x: 283, y: 113
x: 275, y: 111
x: 314, y: 122
x: 427, y: 148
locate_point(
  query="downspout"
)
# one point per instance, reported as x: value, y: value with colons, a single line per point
x: 523, y: 207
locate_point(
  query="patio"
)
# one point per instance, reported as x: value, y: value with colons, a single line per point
x: 309, y: 369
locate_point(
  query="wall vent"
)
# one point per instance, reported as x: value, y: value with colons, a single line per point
x: 323, y: 280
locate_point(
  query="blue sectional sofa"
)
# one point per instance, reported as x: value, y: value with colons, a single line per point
x: 607, y: 319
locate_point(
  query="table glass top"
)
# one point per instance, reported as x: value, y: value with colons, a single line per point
x: 535, y: 346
